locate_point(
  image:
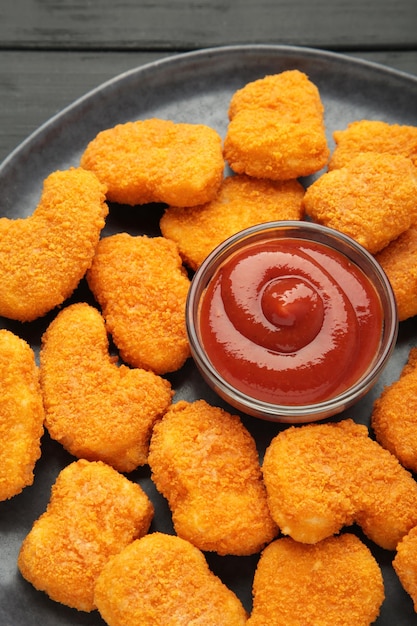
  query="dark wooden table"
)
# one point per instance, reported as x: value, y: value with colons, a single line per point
x: 54, y: 51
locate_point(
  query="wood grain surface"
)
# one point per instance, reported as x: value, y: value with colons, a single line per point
x: 190, y: 24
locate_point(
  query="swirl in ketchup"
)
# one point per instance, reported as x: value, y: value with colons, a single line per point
x: 290, y: 321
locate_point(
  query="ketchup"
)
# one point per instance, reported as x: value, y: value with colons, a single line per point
x: 290, y: 321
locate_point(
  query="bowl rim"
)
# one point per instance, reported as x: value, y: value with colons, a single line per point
x: 299, y: 229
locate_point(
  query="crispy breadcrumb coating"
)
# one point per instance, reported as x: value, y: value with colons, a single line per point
x: 95, y: 409
x: 21, y: 414
x: 241, y: 202
x: 43, y: 257
x: 162, y: 580
x: 336, y: 582
x: 205, y: 462
x: 93, y: 513
x: 290, y: 93
x: 372, y: 199
x: 405, y: 564
x: 394, y: 415
x: 373, y: 136
x: 399, y: 261
x: 157, y: 160
x: 321, y: 477
x: 276, y: 128
x: 142, y: 288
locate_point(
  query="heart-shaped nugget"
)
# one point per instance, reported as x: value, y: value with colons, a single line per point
x: 95, y: 409
x: 142, y: 288
x: 276, y: 128
x: 44, y: 256
x: 93, y: 513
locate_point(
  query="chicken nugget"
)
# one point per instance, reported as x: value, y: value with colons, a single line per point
x: 276, y: 128
x: 405, y: 564
x: 157, y: 160
x: 205, y: 462
x: 44, y: 256
x: 95, y: 409
x: 321, y: 477
x: 289, y: 93
x: 93, y: 513
x: 21, y: 414
x: 394, y: 415
x: 142, y: 288
x: 399, y: 261
x: 373, y: 136
x: 241, y: 202
x: 372, y: 199
x: 336, y: 582
x: 162, y: 580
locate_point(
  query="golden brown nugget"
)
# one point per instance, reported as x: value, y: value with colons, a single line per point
x: 394, y: 415
x: 162, y: 580
x: 241, y: 202
x: 43, y: 257
x: 142, y: 288
x: 399, y: 261
x: 373, y: 136
x: 405, y: 564
x: 94, y: 408
x: 290, y: 93
x: 336, y: 582
x: 157, y: 160
x: 276, y: 128
x: 94, y: 512
x: 321, y: 477
x: 372, y: 199
x: 205, y: 462
x: 21, y: 414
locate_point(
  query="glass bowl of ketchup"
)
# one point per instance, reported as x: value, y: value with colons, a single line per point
x: 291, y: 321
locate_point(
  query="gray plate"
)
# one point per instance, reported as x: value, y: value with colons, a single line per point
x: 194, y: 87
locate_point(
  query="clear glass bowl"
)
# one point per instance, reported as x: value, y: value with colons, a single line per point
x: 291, y: 413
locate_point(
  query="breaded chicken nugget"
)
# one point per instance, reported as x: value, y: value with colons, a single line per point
x: 21, y: 414
x: 373, y: 136
x: 157, y: 160
x: 405, y: 564
x: 162, y: 580
x: 321, y: 477
x: 205, y: 462
x: 142, y: 287
x: 241, y: 202
x: 394, y: 415
x: 289, y: 93
x: 93, y: 513
x: 399, y: 261
x: 95, y: 409
x: 43, y: 257
x: 276, y: 128
x: 372, y: 199
x: 336, y: 582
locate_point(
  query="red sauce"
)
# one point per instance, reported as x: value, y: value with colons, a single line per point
x: 290, y: 321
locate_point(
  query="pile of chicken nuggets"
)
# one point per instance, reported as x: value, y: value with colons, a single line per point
x: 93, y: 547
